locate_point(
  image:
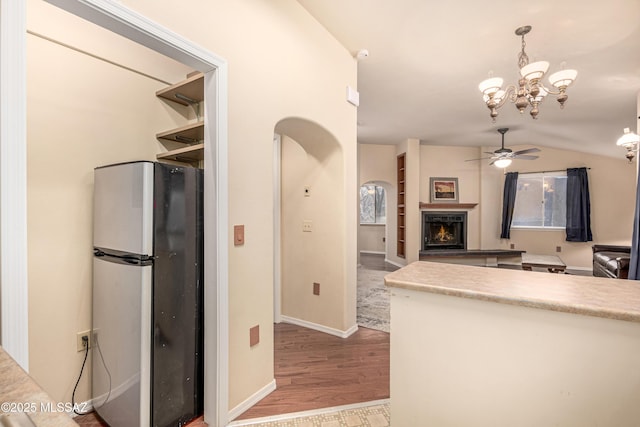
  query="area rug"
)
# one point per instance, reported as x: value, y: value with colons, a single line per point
x: 368, y: 414
x: 373, y: 300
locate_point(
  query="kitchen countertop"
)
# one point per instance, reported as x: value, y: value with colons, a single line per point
x: 590, y: 296
x: 18, y: 391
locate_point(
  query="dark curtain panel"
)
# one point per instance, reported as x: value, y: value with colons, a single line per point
x: 508, y: 203
x: 578, y: 206
x: 634, y: 263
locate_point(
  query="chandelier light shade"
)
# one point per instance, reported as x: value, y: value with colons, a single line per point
x: 629, y: 140
x: 530, y: 91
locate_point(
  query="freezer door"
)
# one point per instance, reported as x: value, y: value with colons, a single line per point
x: 121, y: 359
x: 123, y: 208
x: 177, y: 290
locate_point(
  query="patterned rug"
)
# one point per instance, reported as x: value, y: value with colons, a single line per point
x: 370, y: 414
x: 373, y: 300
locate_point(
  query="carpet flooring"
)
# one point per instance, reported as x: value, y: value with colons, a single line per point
x: 373, y: 300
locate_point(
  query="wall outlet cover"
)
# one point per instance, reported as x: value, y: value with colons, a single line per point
x: 80, y: 343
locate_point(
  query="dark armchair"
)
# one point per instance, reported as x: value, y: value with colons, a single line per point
x: 611, y: 261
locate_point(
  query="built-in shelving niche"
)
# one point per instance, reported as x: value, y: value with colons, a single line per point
x: 188, y: 92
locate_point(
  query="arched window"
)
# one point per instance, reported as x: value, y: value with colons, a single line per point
x: 372, y: 204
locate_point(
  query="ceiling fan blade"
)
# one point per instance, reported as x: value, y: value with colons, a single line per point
x: 481, y: 158
x: 524, y: 157
x: 527, y: 151
x: 494, y: 160
x: 489, y: 152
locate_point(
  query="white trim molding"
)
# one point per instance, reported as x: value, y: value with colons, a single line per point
x: 320, y: 328
x: 14, y: 296
x: 253, y: 399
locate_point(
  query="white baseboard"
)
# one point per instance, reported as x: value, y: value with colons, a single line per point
x: 373, y: 252
x: 252, y: 400
x: 394, y: 263
x: 320, y: 328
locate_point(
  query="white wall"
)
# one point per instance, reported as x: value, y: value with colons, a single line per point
x: 315, y: 256
x: 371, y: 238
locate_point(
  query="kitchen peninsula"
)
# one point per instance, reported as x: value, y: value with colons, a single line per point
x: 495, y: 347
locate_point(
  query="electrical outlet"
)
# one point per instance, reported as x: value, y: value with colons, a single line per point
x: 80, y: 343
x: 513, y: 246
x: 307, y: 226
x: 254, y: 336
x: 558, y: 248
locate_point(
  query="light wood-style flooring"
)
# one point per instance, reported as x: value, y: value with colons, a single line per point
x: 315, y: 370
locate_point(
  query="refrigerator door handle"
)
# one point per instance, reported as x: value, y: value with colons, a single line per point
x: 123, y: 258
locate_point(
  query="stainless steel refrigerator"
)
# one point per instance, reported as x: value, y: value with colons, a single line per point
x: 147, y: 350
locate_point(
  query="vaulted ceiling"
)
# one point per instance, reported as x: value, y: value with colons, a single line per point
x: 426, y: 59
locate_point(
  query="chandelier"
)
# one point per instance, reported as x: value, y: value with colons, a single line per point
x: 530, y: 90
x: 629, y: 141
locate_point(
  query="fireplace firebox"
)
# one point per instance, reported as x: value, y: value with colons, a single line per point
x: 444, y: 230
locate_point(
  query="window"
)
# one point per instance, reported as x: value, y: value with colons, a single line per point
x: 541, y: 200
x: 372, y: 204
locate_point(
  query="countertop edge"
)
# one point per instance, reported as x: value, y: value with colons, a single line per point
x: 582, y: 309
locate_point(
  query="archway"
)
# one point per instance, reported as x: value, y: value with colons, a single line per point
x: 311, y: 229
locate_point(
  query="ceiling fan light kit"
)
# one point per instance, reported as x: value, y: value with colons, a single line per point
x: 502, y: 163
x: 502, y: 157
x: 530, y: 90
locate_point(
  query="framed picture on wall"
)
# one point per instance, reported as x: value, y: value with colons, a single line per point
x: 444, y: 189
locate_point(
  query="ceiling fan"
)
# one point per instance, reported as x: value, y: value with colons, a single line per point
x: 502, y: 157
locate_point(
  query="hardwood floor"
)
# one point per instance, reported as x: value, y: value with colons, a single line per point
x: 315, y: 370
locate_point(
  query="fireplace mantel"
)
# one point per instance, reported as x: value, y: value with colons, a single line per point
x: 467, y: 206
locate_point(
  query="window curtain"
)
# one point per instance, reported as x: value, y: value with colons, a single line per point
x: 508, y: 203
x: 634, y: 263
x: 578, y: 206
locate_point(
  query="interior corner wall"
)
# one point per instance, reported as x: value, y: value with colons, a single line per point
x: 81, y: 113
x: 313, y: 256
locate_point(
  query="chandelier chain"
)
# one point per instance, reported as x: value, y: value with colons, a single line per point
x: 523, y: 59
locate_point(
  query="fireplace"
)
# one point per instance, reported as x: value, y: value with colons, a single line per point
x: 444, y: 230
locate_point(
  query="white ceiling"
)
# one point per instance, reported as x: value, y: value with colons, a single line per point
x: 426, y: 59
